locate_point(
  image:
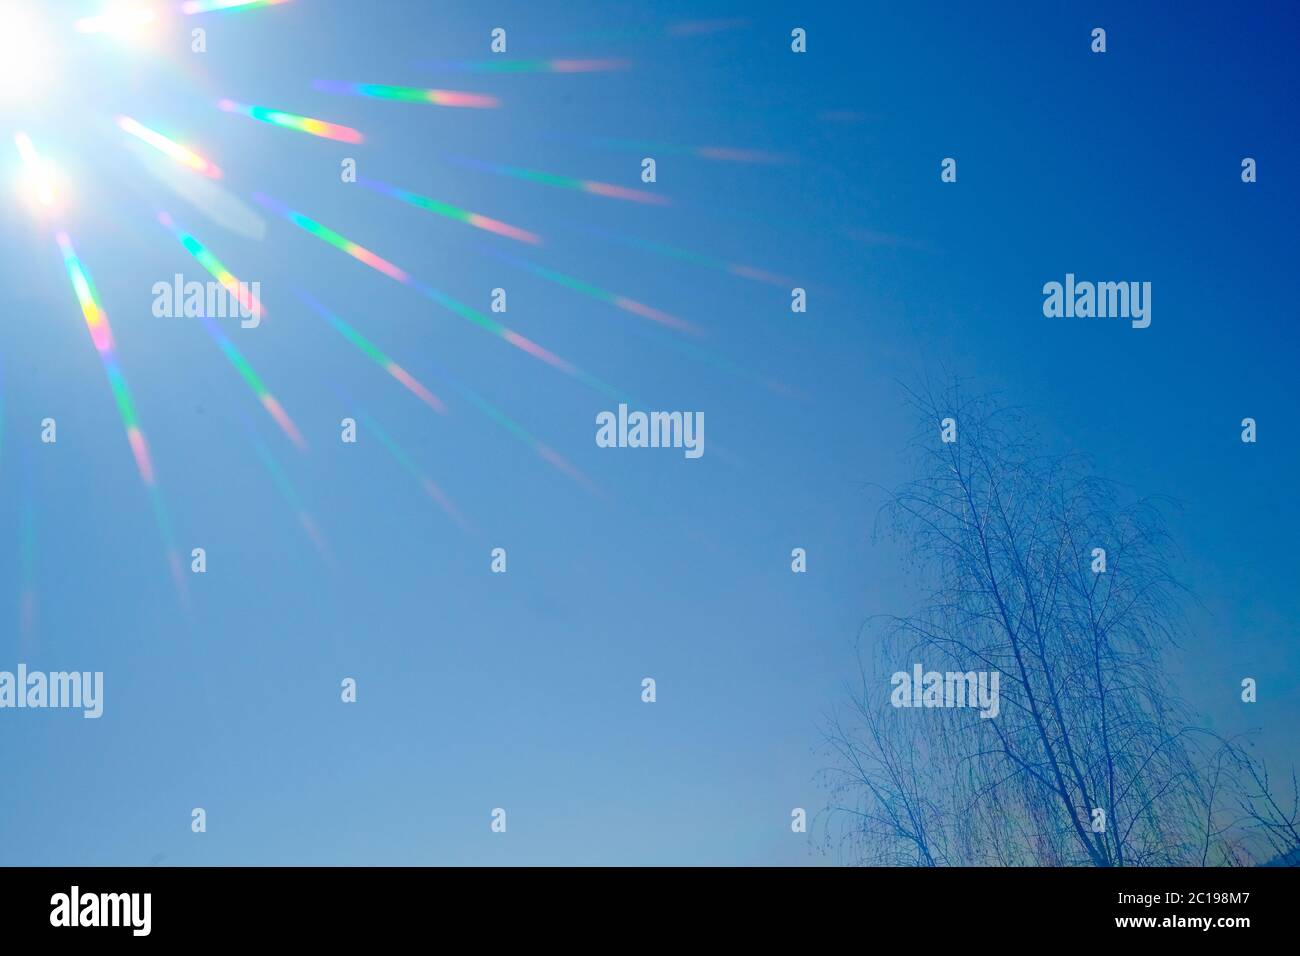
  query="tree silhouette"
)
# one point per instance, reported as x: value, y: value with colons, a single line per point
x: 1092, y: 758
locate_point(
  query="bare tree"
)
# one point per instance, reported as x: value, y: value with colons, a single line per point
x: 1272, y: 820
x: 1092, y: 759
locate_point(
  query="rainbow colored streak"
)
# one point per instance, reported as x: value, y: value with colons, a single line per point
x: 673, y: 342
x: 544, y: 451
x: 243, y: 294
x: 269, y: 401
x: 547, y: 454
x: 685, y: 255
x: 101, y: 333
x: 168, y: 147
x: 343, y: 244
x: 409, y: 94
x: 475, y: 317
x: 190, y: 7
x: 303, y: 124
x: 717, y: 153
x: 601, y: 295
x: 452, y: 212
x: 530, y: 66
x: 282, y: 483
x: 378, y: 357
x: 219, y: 272
x: 399, y: 455
x: 565, y: 182
x: 37, y: 171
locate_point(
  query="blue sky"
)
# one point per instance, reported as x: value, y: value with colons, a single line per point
x: 522, y: 690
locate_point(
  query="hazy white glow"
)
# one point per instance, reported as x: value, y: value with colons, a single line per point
x: 24, y: 52
x: 38, y: 175
x: 119, y: 21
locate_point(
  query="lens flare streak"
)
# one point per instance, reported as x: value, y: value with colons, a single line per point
x: 287, y: 491
x: 409, y: 94
x: 596, y: 292
x: 609, y: 190
x: 407, y: 380
x: 101, y: 334
x: 451, y: 212
x: 544, y: 451
x: 191, y: 7
x: 696, y: 258
x: 399, y: 455
x: 269, y: 401
x: 168, y: 147
x: 530, y: 66
x: 723, y: 154
x: 303, y: 124
x: 213, y: 265
x: 475, y: 317
x: 219, y: 272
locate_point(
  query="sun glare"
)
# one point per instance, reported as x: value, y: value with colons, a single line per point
x: 120, y: 21
x: 25, y: 52
x: 39, y: 184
